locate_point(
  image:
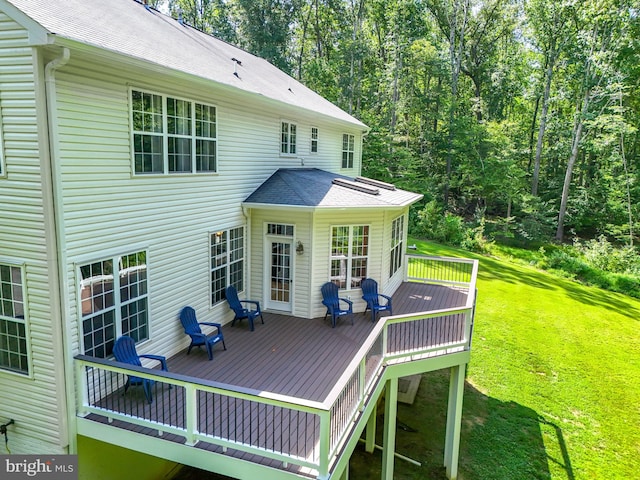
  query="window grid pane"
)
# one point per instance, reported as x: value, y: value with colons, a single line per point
x: 13, y: 346
x: 114, y: 303
x: 190, y: 135
x: 11, y: 297
x: 397, y: 235
x: 349, y: 255
x: 348, y: 149
x: 227, y: 262
x: 314, y: 140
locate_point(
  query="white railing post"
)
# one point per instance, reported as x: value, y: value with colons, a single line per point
x: 362, y: 383
x: 191, y: 413
x: 325, y: 444
x: 82, y: 392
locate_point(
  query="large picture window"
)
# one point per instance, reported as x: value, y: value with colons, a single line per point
x: 172, y: 135
x: 14, y: 355
x: 114, y: 302
x: 348, y: 150
x: 397, y: 245
x: 349, y: 255
x: 227, y: 262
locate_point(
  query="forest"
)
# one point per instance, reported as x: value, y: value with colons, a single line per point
x: 517, y: 119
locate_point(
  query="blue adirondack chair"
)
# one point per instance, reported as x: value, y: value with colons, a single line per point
x: 198, y: 338
x: 331, y: 300
x: 124, y: 350
x: 240, y: 310
x: 372, y: 297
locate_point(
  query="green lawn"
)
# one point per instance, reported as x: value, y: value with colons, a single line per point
x: 553, y: 388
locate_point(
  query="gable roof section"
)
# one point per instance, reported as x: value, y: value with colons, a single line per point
x: 129, y: 28
x: 314, y: 188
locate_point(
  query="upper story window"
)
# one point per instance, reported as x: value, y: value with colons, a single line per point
x: 14, y: 354
x: 288, y: 138
x: 397, y: 246
x: 349, y: 255
x: 348, y: 149
x: 172, y: 135
x: 113, y: 302
x: 314, y: 139
x: 227, y: 262
x: 2, y: 170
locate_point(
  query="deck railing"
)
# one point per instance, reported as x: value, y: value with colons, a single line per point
x: 291, y: 430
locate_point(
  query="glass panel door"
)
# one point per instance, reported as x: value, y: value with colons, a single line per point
x: 280, y: 275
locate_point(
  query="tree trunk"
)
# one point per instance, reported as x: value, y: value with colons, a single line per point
x: 543, y: 124
x: 456, y: 59
x: 575, y: 146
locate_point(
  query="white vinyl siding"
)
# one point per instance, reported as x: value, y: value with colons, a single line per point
x: 33, y: 400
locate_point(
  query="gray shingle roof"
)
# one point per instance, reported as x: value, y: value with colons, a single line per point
x: 311, y: 187
x: 126, y: 27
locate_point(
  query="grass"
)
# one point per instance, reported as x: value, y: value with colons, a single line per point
x: 552, y: 389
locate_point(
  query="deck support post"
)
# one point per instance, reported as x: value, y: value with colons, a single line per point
x: 370, y: 437
x: 454, y: 421
x: 390, y: 413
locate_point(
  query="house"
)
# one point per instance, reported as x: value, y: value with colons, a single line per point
x: 144, y: 166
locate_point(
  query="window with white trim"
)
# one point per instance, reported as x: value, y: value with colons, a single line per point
x: 227, y: 262
x: 113, y: 302
x: 172, y: 135
x: 14, y: 354
x: 349, y: 255
x: 314, y: 140
x: 288, y: 138
x: 397, y: 245
x: 2, y: 170
x: 348, y: 150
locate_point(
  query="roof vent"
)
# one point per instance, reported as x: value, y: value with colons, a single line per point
x: 356, y: 186
x: 376, y: 183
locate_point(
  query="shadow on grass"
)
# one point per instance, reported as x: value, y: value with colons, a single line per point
x: 499, y: 441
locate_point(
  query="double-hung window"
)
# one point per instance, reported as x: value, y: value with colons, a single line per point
x: 227, y: 262
x: 397, y: 245
x: 113, y: 302
x: 14, y: 354
x: 314, y: 140
x: 349, y: 255
x: 2, y: 168
x: 288, y: 138
x: 172, y: 135
x: 348, y: 150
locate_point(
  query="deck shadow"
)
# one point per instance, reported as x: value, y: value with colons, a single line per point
x: 499, y: 440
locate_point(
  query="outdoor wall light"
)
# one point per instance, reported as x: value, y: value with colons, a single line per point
x: 299, y: 248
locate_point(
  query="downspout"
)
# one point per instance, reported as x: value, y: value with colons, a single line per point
x: 63, y: 336
x: 246, y: 213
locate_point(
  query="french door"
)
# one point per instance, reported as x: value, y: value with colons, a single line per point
x: 279, y: 271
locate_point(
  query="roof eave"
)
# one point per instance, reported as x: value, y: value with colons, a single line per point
x: 110, y: 55
x: 38, y: 35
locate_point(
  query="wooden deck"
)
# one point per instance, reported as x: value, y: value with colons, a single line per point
x: 300, y: 357
x: 288, y: 356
